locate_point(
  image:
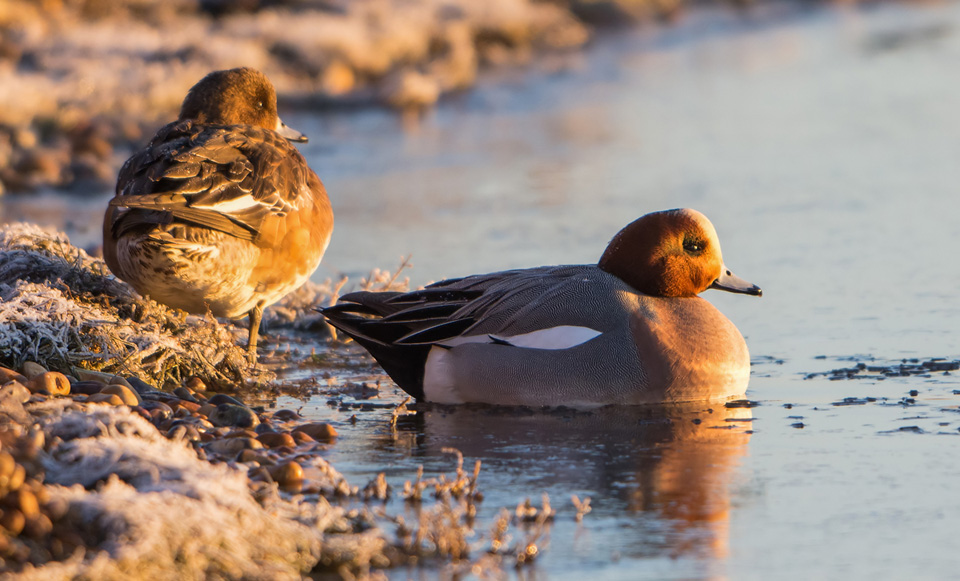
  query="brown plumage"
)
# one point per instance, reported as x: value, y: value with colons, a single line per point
x: 219, y: 212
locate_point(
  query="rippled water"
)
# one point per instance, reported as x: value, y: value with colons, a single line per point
x: 823, y: 144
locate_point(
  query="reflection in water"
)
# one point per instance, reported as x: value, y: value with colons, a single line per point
x: 669, y: 470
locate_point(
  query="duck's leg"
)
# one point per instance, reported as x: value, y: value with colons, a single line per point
x: 255, y: 314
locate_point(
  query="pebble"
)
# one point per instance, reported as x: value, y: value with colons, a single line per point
x: 232, y: 446
x: 128, y: 395
x: 15, y: 390
x: 184, y: 432
x: 187, y: 405
x: 286, y: 415
x: 222, y: 398
x: 276, y: 440
x: 140, y: 386
x: 13, y: 520
x: 8, y: 375
x: 87, y: 387
x: 31, y: 369
x: 186, y: 394
x: 286, y: 474
x: 207, y: 409
x: 195, y: 384
x: 52, y: 382
x: 159, y: 411
x: 231, y: 415
x: 109, y: 398
x: 320, y: 431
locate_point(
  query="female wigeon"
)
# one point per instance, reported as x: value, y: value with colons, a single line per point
x: 629, y: 330
x: 219, y: 212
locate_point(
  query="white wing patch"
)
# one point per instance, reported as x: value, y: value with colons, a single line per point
x: 231, y: 205
x: 561, y: 337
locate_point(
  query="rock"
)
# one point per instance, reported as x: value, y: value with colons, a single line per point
x: 87, y: 387
x: 285, y: 415
x: 140, y: 386
x: 224, y: 398
x: 26, y: 501
x: 7, y: 467
x: 158, y: 411
x: 231, y: 415
x: 11, y: 404
x: 7, y: 375
x: 320, y: 431
x: 195, y: 384
x: 183, y: 432
x: 127, y: 394
x: 13, y: 521
x: 185, y: 394
x: 52, y: 382
x: 31, y: 369
x: 207, y: 409
x: 287, y: 474
x: 276, y: 440
x: 187, y: 405
x: 108, y: 378
x: 15, y: 390
x: 108, y: 398
x: 232, y: 446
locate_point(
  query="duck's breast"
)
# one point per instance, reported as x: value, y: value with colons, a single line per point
x: 691, y: 351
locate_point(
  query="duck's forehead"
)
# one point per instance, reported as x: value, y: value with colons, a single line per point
x: 692, y: 221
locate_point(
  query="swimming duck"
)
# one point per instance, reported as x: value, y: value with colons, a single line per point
x: 220, y: 211
x: 628, y: 330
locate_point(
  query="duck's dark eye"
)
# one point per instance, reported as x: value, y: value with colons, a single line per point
x: 259, y: 104
x: 693, y: 246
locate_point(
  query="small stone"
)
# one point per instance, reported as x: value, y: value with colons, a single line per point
x: 8, y: 375
x: 187, y: 405
x: 127, y: 394
x: 286, y: 415
x: 15, y: 390
x: 52, y: 382
x: 234, y: 415
x: 276, y: 440
x: 185, y: 394
x: 7, y: 467
x: 87, y: 387
x: 255, y: 456
x: 158, y: 411
x: 232, y: 446
x: 183, y: 432
x: 140, y: 386
x: 108, y: 398
x: 302, y: 438
x: 289, y: 473
x: 207, y: 409
x: 320, y: 431
x: 13, y: 521
x: 196, y: 384
x: 38, y: 527
x: 26, y: 501
x: 222, y: 398
x: 31, y: 369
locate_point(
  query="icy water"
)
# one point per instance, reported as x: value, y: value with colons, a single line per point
x: 823, y: 144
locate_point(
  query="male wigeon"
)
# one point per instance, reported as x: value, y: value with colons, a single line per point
x: 219, y: 212
x: 629, y: 330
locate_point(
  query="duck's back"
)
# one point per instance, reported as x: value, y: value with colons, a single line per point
x: 234, y: 210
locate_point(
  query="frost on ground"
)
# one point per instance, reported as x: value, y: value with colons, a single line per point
x: 60, y: 308
x: 135, y: 505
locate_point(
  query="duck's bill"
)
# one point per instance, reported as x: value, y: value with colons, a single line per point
x: 730, y: 282
x: 290, y: 133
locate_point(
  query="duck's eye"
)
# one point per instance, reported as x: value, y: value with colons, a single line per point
x: 693, y: 246
x: 259, y: 104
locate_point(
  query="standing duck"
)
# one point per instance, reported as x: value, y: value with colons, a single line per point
x: 220, y: 212
x: 628, y: 330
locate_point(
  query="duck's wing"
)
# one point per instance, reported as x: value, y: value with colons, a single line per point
x: 508, y: 308
x: 499, y: 304
x: 231, y: 179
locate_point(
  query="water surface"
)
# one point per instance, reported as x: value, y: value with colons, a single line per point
x: 823, y: 144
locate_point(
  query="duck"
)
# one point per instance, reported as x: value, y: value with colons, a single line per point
x: 220, y: 212
x: 629, y: 330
